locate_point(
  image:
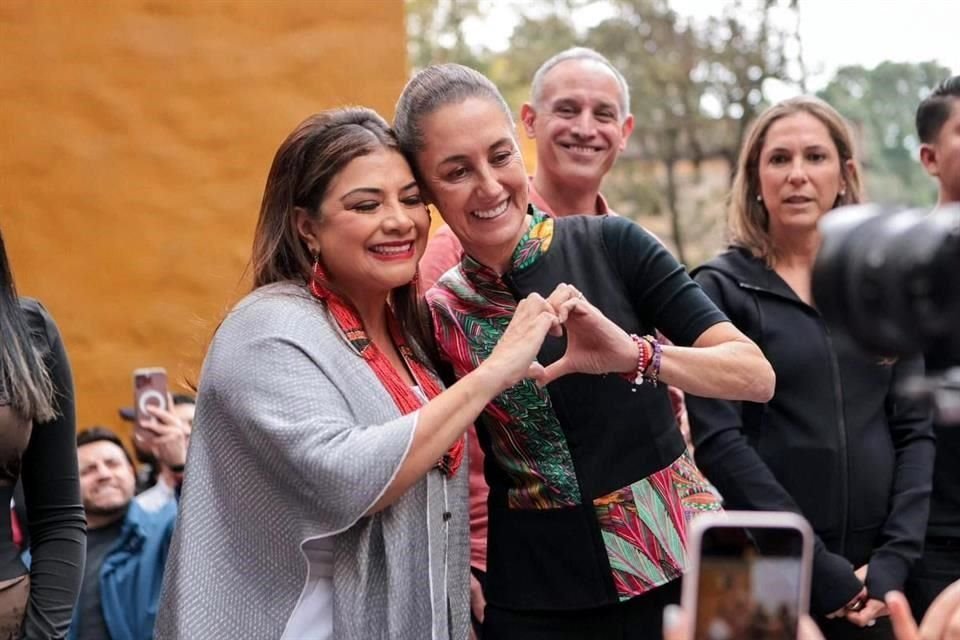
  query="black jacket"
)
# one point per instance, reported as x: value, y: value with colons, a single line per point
x: 834, y: 443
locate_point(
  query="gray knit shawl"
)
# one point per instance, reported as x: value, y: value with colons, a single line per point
x: 295, y: 438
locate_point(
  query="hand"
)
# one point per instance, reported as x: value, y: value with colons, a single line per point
x: 514, y: 357
x: 845, y: 609
x: 942, y: 621
x: 164, y: 435
x: 595, y: 344
x: 873, y: 608
x: 478, y: 602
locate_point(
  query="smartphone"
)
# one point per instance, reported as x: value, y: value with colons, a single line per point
x: 748, y: 575
x: 149, y: 389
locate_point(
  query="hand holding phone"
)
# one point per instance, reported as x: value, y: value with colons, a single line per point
x: 748, y: 575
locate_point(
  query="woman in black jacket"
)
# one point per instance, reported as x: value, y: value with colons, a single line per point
x: 38, y: 446
x: 835, y: 443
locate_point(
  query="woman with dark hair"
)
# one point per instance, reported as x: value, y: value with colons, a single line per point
x: 591, y: 488
x: 836, y: 443
x: 38, y: 446
x: 324, y: 495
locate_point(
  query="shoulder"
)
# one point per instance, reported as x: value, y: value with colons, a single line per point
x: 279, y: 309
x: 40, y: 323
x: 735, y: 264
x: 152, y: 520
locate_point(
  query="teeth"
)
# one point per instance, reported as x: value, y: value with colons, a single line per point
x: 580, y: 149
x: 390, y: 250
x: 492, y: 213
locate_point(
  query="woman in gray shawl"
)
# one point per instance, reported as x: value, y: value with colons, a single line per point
x: 324, y: 496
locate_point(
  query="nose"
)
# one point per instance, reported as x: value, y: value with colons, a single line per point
x: 798, y: 172
x: 398, y: 220
x: 488, y: 186
x: 584, y: 125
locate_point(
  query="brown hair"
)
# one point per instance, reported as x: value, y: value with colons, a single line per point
x: 303, y: 168
x: 748, y: 220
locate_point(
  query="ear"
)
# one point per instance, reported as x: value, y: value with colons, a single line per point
x: 307, y: 227
x: 851, y: 168
x: 928, y: 158
x: 527, y: 116
x: 626, y: 129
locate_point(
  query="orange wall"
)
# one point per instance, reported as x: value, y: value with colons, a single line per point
x: 136, y: 138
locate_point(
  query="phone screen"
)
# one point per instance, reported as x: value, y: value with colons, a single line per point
x: 750, y: 583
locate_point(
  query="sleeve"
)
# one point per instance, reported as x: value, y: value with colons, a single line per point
x: 722, y: 452
x: 288, y: 402
x: 55, y: 518
x: 911, y: 429
x: 443, y: 252
x: 664, y: 296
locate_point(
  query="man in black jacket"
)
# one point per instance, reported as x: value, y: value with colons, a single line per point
x: 938, y: 127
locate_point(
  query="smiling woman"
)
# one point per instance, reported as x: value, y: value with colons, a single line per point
x: 591, y: 488
x: 324, y: 496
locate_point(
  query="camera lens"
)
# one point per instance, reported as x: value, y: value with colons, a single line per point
x: 890, y: 278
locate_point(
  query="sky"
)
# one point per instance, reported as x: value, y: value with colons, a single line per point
x: 835, y: 33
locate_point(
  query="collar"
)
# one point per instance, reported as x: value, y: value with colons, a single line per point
x: 534, y: 243
x: 601, y: 207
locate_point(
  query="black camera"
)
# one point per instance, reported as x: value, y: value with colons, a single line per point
x: 890, y: 279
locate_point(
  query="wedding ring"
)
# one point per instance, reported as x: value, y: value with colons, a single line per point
x: 857, y: 606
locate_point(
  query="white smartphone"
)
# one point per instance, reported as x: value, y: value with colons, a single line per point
x: 748, y: 575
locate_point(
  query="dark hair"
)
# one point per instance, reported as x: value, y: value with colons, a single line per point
x: 303, y: 168
x: 102, y: 434
x: 183, y: 398
x: 934, y: 110
x: 24, y: 380
x: 430, y: 89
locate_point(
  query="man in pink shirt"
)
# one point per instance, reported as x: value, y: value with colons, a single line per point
x: 579, y: 116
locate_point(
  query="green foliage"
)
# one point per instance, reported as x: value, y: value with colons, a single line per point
x: 881, y: 104
x: 695, y: 87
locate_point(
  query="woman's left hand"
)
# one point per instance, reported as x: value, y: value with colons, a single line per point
x: 872, y: 609
x: 595, y: 344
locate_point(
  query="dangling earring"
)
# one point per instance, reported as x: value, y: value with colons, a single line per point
x: 759, y: 198
x: 318, y: 284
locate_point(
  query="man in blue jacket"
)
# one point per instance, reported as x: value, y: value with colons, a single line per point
x: 126, y: 545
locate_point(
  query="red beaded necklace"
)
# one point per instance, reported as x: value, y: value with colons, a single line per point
x: 406, y: 400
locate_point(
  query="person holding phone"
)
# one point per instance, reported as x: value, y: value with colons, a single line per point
x: 325, y: 496
x: 590, y: 484
x: 836, y: 443
x: 37, y: 446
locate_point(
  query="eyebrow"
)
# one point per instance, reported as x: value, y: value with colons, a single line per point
x: 461, y: 157
x: 819, y: 147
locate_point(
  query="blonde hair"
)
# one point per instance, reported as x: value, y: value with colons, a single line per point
x: 747, y: 218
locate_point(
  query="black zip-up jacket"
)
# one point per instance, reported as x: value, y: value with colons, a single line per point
x: 834, y: 444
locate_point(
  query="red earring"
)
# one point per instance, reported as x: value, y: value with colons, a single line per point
x: 318, y: 284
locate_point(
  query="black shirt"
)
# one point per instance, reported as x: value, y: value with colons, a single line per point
x: 47, y: 467
x: 90, y: 622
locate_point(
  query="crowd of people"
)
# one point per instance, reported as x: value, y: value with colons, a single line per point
x: 479, y: 434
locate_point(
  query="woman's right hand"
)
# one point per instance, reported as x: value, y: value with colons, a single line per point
x: 514, y: 357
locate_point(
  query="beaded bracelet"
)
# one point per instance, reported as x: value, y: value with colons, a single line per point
x: 643, y: 360
x: 652, y: 371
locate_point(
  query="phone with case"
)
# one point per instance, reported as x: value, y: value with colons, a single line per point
x: 748, y: 575
x: 149, y: 389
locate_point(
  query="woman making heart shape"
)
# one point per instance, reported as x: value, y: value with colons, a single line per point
x: 591, y: 487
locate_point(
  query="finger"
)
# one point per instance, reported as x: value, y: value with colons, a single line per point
x: 536, y: 372
x: 943, y: 617
x: 904, y: 626
x: 554, y: 371
x: 808, y: 629
x: 561, y: 294
x: 565, y: 309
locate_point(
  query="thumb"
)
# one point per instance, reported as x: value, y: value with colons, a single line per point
x: 554, y: 371
x: 904, y: 626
